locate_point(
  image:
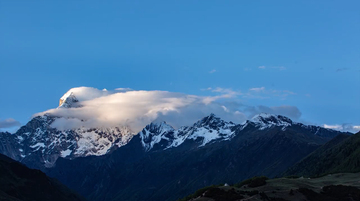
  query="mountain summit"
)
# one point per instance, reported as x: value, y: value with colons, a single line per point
x: 264, y: 120
x: 68, y: 100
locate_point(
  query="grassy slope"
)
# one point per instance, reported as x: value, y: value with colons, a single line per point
x: 342, y: 154
x: 280, y: 188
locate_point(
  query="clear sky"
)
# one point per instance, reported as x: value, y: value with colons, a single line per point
x: 299, y: 53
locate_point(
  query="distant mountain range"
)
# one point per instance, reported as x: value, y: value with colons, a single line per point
x: 160, y: 162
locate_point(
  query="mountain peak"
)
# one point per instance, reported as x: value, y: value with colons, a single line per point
x: 68, y: 100
x: 211, y: 120
x: 162, y: 125
x: 265, y: 120
x: 154, y: 133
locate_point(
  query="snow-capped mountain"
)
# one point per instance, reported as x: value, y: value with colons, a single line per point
x: 209, y: 151
x: 68, y: 100
x: 39, y: 144
x: 37, y: 140
x: 264, y: 120
x: 204, y: 131
x: 157, y: 134
x: 161, y: 136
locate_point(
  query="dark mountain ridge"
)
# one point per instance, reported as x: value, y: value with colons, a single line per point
x: 135, y: 172
x: 163, y: 163
x: 17, y: 182
x: 341, y: 154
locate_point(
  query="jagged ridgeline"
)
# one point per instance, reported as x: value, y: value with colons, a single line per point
x: 160, y: 162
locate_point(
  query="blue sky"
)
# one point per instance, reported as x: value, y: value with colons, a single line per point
x: 299, y: 53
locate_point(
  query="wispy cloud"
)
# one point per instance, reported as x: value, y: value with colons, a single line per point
x: 123, y: 89
x: 224, y: 93
x: 212, y: 71
x: 281, y: 68
x: 9, y: 123
x: 252, y: 93
x: 257, y: 89
x: 343, y: 127
x: 287, y: 110
x: 262, y: 93
x: 342, y: 69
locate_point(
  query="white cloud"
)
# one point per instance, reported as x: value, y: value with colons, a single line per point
x: 286, y: 110
x: 281, y: 68
x: 9, y: 123
x: 263, y: 93
x: 343, y: 127
x: 123, y: 89
x: 136, y: 109
x: 212, y: 71
x: 225, y: 108
x: 225, y: 93
x: 336, y: 127
x: 257, y: 89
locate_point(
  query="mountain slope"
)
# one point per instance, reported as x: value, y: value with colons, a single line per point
x: 337, y: 187
x: 39, y: 145
x: 210, y: 151
x: 342, y: 154
x: 17, y: 182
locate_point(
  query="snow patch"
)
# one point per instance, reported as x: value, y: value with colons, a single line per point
x: 39, y: 144
x: 65, y: 153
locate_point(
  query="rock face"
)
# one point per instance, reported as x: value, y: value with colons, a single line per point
x: 9, y: 145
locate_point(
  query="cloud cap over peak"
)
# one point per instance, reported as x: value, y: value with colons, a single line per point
x: 137, y: 108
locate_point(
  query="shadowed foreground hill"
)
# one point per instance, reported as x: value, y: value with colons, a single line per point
x: 17, y: 182
x: 336, y: 187
x: 341, y: 154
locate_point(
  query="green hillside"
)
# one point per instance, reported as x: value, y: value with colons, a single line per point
x: 342, y: 154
